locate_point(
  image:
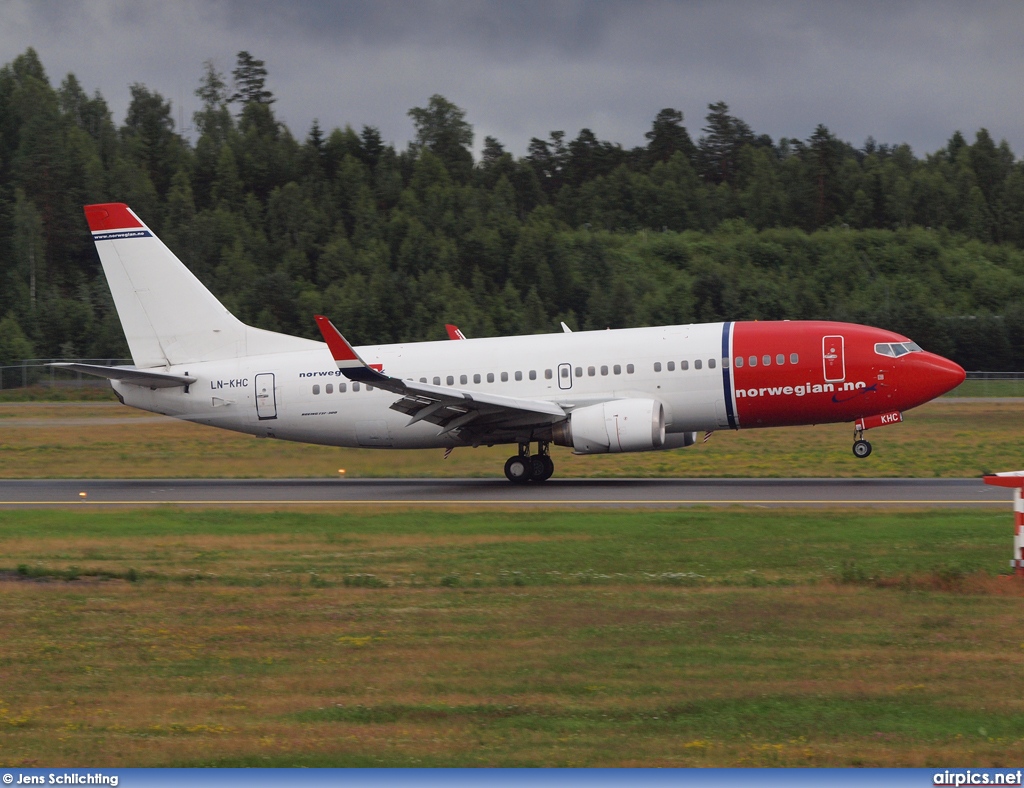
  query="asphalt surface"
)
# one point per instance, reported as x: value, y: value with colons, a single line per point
x: 559, y: 493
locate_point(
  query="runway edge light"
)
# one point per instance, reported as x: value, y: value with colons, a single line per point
x: 1015, y: 481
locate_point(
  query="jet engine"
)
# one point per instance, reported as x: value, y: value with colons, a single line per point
x: 611, y: 427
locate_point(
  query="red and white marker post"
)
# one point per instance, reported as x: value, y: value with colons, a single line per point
x: 1015, y: 481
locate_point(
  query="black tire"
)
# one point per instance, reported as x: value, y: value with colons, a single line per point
x: 861, y: 449
x: 548, y: 468
x: 542, y: 466
x: 518, y: 470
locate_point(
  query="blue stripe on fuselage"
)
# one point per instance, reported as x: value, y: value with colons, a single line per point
x: 727, y: 375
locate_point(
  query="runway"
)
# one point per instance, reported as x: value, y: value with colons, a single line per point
x: 556, y: 493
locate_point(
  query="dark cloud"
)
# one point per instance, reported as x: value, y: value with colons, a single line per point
x: 900, y: 71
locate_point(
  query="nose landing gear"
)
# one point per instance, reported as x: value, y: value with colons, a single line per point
x: 522, y: 468
x: 861, y: 448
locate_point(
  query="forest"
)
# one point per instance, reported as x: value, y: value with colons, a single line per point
x: 393, y: 243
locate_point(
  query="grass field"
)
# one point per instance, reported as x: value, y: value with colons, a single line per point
x: 166, y: 637
x: 945, y: 438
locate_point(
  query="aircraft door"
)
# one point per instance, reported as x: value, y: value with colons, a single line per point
x: 565, y: 376
x: 266, y: 396
x: 833, y: 355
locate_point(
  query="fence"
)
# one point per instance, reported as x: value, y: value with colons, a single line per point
x: 35, y: 372
x: 991, y: 384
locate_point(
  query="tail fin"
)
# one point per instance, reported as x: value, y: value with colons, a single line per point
x: 168, y: 316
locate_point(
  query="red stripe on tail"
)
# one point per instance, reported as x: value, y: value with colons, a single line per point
x: 110, y: 216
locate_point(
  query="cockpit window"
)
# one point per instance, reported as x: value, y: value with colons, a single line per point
x: 896, y: 349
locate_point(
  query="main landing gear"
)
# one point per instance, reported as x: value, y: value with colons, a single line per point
x: 861, y: 448
x: 523, y: 468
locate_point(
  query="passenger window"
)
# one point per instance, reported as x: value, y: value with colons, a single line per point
x: 766, y: 360
x: 463, y: 380
x: 422, y: 380
x: 490, y: 377
x: 752, y: 361
x: 657, y: 366
x: 711, y: 363
x: 369, y: 387
x: 591, y: 371
x: 629, y: 369
x: 617, y: 369
x: 739, y: 361
x: 437, y: 381
x: 519, y: 375
x: 533, y: 374
x: 684, y: 365
x: 564, y: 371
x: 316, y: 389
x: 780, y: 359
x: 604, y: 370
x: 329, y: 388
x: 671, y: 366
x: 342, y: 388
x: 476, y: 378
x: 547, y: 374
x: 696, y: 363
x: 355, y: 385
x: 725, y: 363
x: 450, y: 380
x: 579, y: 372
x: 504, y: 377
x: 794, y: 358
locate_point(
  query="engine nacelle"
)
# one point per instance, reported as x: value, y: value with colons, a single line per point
x: 611, y: 427
x: 679, y: 440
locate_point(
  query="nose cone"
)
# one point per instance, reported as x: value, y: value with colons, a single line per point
x: 926, y: 376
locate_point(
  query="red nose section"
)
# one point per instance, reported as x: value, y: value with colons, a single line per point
x: 926, y: 376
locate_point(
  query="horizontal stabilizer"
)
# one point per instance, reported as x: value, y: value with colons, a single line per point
x: 132, y: 375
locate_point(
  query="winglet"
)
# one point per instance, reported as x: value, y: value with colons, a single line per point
x: 344, y: 355
x: 453, y: 331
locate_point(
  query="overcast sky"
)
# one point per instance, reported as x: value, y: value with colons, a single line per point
x: 899, y: 70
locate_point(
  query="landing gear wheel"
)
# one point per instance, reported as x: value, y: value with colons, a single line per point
x: 518, y: 470
x: 861, y: 449
x: 543, y: 467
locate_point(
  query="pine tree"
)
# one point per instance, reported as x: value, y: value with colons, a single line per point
x: 250, y: 76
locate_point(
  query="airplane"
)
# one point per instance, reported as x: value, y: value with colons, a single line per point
x: 621, y: 390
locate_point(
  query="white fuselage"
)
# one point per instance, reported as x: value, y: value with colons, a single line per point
x: 302, y: 396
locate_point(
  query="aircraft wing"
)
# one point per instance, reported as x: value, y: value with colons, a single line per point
x: 133, y: 375
x: 475, y: 412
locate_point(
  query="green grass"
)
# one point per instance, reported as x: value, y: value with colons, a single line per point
x: 698, y: 637
x: 541, y: 548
